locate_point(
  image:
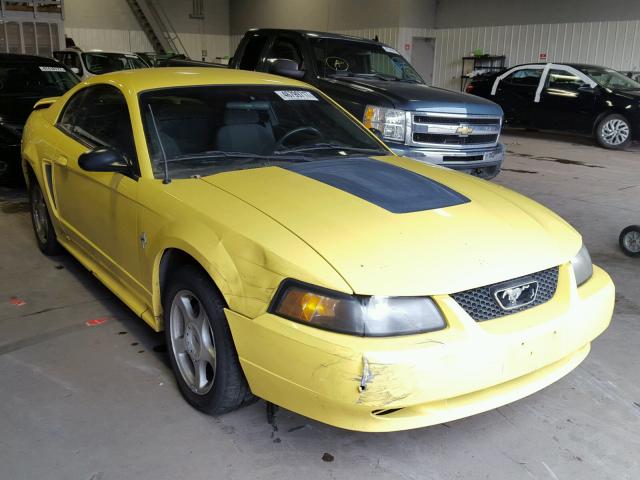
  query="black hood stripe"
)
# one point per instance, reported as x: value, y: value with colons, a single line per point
x: 393, y: 188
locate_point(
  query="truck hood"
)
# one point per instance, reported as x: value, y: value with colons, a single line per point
x: 420, y: 97
x: 388, y: 241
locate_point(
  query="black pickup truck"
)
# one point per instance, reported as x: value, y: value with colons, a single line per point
x: 378, y: 86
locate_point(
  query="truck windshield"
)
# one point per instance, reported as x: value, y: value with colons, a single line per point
x: 608, y: 78
x: 204, y: 130
x: 355, y: 58
x: 45, y: 79
x: 105, y: 62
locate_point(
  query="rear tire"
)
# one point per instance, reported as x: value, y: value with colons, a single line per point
x: 41, y: 221
x: 630, y: 241
x: 201, y: 350
x: 613, y: 132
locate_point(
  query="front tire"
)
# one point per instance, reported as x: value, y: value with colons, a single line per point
x: 41, y: 221
x: 200, y: 346
x: 630, y: 241
x: 613, y: 132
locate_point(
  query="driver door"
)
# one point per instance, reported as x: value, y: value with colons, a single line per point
x: 98, y: 210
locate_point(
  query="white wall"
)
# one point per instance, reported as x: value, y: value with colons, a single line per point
x: 610, y: 44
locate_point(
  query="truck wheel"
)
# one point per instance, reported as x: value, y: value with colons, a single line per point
x: 201, y: 350
x: 613, y: 132
x: 630, y: 241
x: 41, y: 220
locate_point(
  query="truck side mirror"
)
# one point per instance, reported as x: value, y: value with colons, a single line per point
x: 285, y: 67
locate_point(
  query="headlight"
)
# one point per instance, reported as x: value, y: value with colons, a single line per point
x: 356, y: 315
x: 389, y: 122
x: 582, y: 266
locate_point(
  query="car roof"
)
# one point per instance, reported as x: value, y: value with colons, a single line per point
x: 143, y: 79
x: 96, y: 50
x: 20, y: 58
x: 574, y: 65
x: 314, y: 34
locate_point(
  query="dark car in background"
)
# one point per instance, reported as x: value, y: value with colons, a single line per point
x: 584, y: 99
x: 24, y: 79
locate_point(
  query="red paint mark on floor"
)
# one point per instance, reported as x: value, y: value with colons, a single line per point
x: 17, y: 302
x: 95, y: 321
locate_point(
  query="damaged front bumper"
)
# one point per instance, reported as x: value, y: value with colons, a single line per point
x: 398, y: 383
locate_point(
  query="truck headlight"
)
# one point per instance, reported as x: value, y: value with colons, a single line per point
x: 356, y: 315
x: 391, y: 123
x: 582, y: 266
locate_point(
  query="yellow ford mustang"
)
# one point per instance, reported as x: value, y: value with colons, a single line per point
x: 289, y: 254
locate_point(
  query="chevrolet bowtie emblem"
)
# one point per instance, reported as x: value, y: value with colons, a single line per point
x: 464, y: 130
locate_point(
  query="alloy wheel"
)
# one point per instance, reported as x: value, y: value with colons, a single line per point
x: 615, y: 132
x: 631, y: 241
x: 192, y: 342
x: 40, y: 216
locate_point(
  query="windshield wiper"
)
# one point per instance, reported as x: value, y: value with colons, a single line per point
x: 326, y: 146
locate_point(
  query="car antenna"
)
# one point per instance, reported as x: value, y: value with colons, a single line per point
x: 164, y: 155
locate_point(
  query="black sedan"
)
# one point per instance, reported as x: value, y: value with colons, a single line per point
x: 577, y: 98
x: 24, y: 79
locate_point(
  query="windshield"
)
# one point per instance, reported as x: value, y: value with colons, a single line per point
x: 103, y: 62
x: 45, y: 80
x: 212, y: 129
x: 610, y: 78
x: 337, y: 57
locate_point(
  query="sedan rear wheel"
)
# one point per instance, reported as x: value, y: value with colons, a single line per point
x: 614, y: 132
x: 630, y: 240
x: 200, y: 346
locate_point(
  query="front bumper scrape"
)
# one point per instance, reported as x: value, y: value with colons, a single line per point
x: 398, y: 383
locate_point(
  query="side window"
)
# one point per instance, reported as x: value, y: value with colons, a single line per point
x: 99, y: 116
x: 252, y: 51
x: 529, y: 77
x: 286, y: 48
x: 564, y: 80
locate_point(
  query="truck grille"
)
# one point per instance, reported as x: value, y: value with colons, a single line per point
x: 449, y: 130
x: 454, y: 140
x: 480, y: 304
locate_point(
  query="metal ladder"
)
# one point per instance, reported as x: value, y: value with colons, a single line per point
x: 157, y: 26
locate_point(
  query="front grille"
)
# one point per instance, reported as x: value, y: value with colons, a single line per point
x: 453, y: 140
x: 481, y: 306
x: 456, y: 120
x: 455, y: 158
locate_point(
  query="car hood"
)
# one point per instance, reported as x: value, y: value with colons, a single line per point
x: 420, y: 97
x: 477, y: 233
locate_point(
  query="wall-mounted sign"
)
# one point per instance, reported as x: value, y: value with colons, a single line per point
x: 542, y: 57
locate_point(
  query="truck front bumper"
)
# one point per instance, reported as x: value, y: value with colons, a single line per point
x: 398, y: 383
x: 485, y: 163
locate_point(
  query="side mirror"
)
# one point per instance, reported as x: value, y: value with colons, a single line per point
x: 104, y: 160
x: 285, y: 67
x: 586, y: 89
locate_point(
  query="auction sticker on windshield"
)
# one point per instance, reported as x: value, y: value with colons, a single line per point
x: 288, y: 95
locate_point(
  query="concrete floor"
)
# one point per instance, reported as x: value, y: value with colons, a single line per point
x: 99, y: 402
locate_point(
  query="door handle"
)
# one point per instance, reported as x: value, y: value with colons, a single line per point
x: 61, y: 160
